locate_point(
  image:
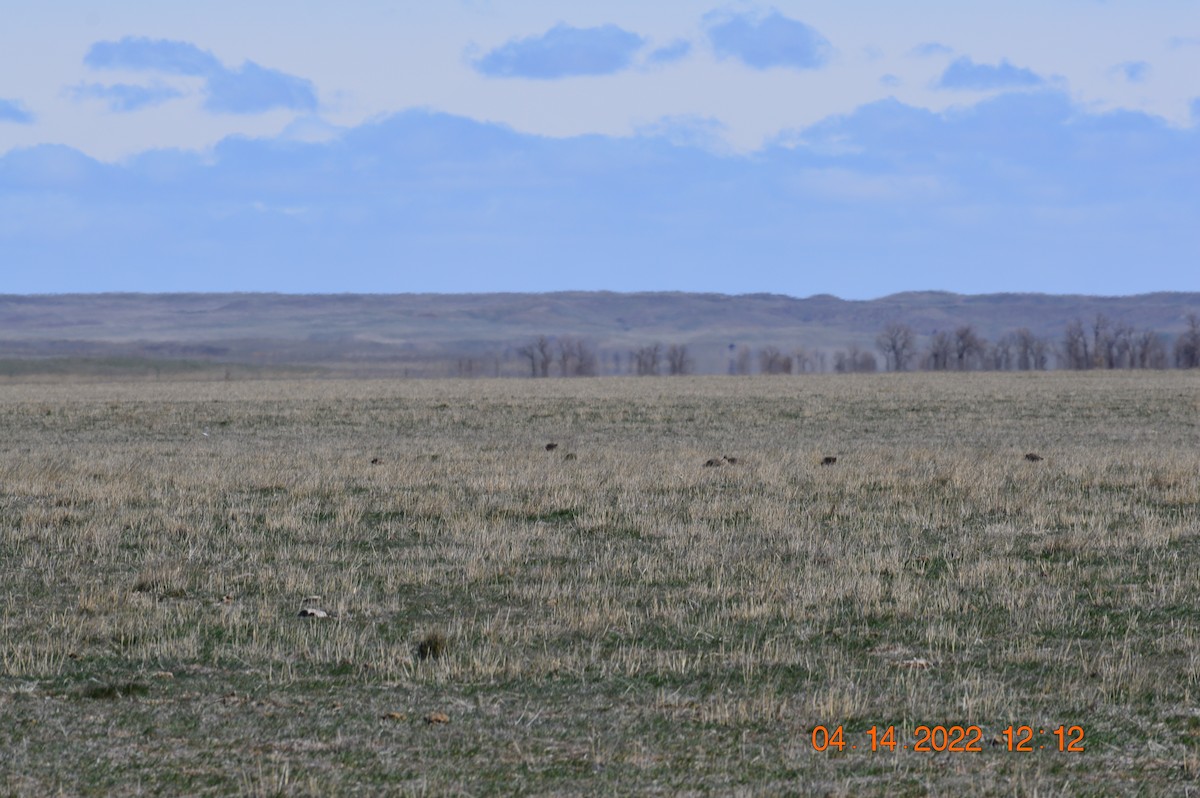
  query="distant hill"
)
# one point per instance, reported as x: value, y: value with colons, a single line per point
x: 427, y: 334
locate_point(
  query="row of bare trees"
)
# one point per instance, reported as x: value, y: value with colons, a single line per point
x: 1100, y: 344
x: 649, y: 361
x: 963, y: 350
x: 1103, y: 345
x: 574, y: 357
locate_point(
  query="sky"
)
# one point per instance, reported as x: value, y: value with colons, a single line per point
x: 857, y: 148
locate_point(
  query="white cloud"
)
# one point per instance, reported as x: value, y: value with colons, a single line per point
x: 562, y: 52
x: 762, y: 41
x: 249, y: 89
x: 963, y: 73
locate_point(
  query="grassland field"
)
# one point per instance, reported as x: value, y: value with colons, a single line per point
x: 611, y: 616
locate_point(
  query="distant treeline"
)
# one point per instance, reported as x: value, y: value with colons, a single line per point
x: 1098, y: 344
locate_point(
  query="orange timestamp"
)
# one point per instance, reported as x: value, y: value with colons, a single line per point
x: 953, y: 739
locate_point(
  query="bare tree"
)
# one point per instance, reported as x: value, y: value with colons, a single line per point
x: 843, y: 362
x: 1104, y: 343
x: 1149, y: 350
x: 1187, y: 345
x: 576, y: 358
x: 743, y: 360
x: 772, y: 361
x: 805, y: 360
x: 968, y: 348
x: 1075, y: 346
x: 646, y: 359
x: 1001, y: 355
x: 540, y: 355
x: 941, y: 347
x: 678, y: 362
x: 566, y: 356
x: 586, y: 362
x: 1039, y: 354
x: 897, y: 343
x: 854, y: 360
x: 1031, y: 350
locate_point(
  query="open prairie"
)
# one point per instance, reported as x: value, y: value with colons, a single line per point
x: 611, y: 615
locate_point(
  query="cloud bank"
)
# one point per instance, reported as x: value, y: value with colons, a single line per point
x: 249, y: 89
x: 561, y: 52
x: 1013, y: 193
x: 766, y: 41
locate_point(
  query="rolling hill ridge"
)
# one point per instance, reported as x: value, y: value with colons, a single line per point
x: 447, y: 334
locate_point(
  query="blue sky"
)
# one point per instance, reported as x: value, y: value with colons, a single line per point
x: 852, y: 148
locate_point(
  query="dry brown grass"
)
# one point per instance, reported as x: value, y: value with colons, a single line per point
x: 624, y: 621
